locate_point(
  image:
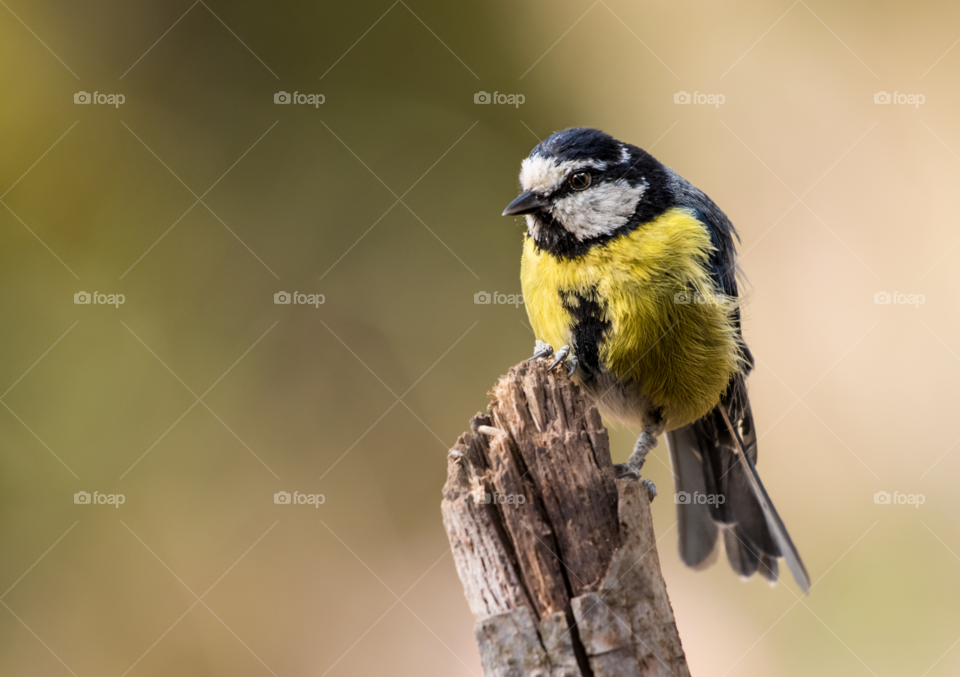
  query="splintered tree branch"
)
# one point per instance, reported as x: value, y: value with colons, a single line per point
x: 558, y: 559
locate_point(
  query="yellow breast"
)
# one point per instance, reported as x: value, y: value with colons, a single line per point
x: 668, y: 329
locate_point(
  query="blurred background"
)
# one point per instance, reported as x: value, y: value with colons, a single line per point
x: 199, y: 199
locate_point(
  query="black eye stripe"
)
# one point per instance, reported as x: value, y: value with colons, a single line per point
x: 597, y: 176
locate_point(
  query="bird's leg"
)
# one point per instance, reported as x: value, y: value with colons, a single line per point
x: 542, y: 349
x: 631, y: 469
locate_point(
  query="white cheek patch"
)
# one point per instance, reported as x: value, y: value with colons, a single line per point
x: 533, y: 226
x: 542, y: 175
x: 599, y: 210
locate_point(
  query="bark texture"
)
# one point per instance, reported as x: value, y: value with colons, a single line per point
x: 558, y: 559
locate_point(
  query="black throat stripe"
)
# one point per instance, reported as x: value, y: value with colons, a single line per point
x: 589, y: 329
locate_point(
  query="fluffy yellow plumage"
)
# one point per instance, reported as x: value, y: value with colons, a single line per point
x: 680, y: 355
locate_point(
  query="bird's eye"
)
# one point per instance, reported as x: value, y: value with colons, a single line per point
x: 580, y: 180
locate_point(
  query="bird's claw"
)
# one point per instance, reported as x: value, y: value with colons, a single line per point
x: 560, y: 356
x: 565, y: 355
x: 651, y: 488
x: 541, y: 349
x: 625, y: 471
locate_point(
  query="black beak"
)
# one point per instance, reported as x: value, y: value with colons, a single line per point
x: 525, y: 204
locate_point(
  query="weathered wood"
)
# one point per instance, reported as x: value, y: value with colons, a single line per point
x: 558, y: 559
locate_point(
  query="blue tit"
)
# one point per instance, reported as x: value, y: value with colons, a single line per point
x: 631, y: 272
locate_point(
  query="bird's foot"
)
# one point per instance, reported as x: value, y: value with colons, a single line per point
x: 651, y: 488
x: 625, y: 471
x: 541, y: 349
x: 563, y: 355
x: 631, y: 469
x: 559, y: 357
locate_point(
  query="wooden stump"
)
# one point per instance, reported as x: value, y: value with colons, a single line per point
x: 558, y: 559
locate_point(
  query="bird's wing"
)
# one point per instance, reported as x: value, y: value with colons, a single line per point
x: 723, y: 260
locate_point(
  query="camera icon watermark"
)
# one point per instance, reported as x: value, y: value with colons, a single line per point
x: 914, y: 100
x: 284, y: 498
x: 482, y: 298
x: 82, y: 298
x: 696, y: 498
x: 882, y: 298
x: 115, y: 100
x: 714, y: 100
x: 884, y: 498
x: 84, y: 498
x: 515, y: 100
x: 314, y: 100
x: 282, y: 298
x: 687, y: 298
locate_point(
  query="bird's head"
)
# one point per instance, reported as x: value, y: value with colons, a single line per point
x: 581, y: 186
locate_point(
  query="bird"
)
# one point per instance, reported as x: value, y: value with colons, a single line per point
x: 632, y: 272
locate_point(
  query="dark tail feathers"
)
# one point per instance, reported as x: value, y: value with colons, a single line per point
x: 708, y: 463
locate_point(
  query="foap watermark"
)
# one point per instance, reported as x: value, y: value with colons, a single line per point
x: 115, y: 100
x: 282, y: 298
x: 84, y: 498
x: 686, y: 298
x: 714, y: 100
x: 82, y: 298
x: 882, y: 298
x: 314, y: 100
x: 884, y: 498
x: 903, y: 99
x: 487, y: 498
x: 696, y: 498
x: 284, y: 498
x: 514, y: 100
x: 482, y: 298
